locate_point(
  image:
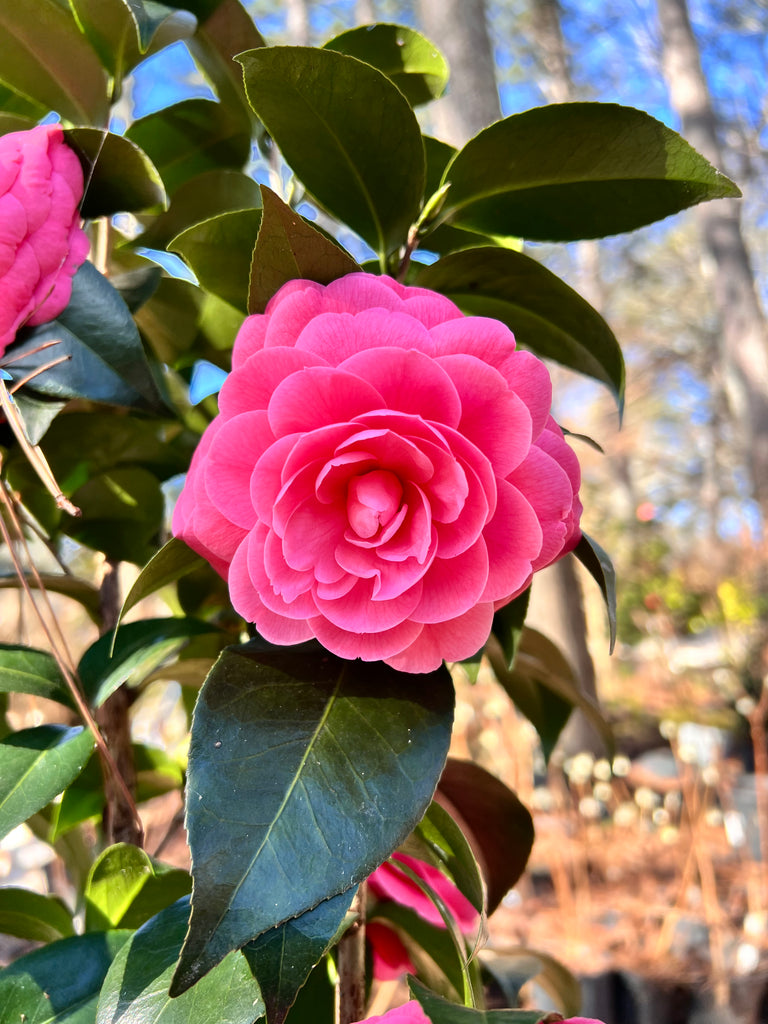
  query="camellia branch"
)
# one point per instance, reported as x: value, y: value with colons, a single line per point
x: 350, y: 989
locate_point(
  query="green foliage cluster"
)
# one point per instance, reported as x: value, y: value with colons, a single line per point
x: 305, y: 772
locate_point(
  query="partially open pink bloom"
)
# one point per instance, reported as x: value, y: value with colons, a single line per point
x: 390, y: 957
x: 581, y: 1020
x: 42, y: 242
x: 383, y: 474
x: 408, y: 1013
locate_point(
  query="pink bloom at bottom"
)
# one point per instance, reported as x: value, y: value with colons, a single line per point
x: 408, y: 1013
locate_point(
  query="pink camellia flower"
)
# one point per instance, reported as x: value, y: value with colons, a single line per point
x: 390, y: 957
x: 42, y: 242
x: 408, y: 1013
x: 383, y: 474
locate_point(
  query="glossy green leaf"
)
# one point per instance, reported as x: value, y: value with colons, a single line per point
x: 576, y: 170
x: 14, y: 122
x: 105, y: 359
x: 501, y: 828
x: 225, y: 29
x: 347, y: 132
x: 169, y: 564
x: 360, y: 752
x: 125, y: 888
x: 417, y: 935
x: 60, y: 983
x: 199, y: 199
x: 289, y: 247
x: 281, y: 959
x: 32, y: 916
x: 35, y: 766
x: 170, y: 320
x: 138, y: 649
x: 316, y: 1000
x: 440, y: 1011
x: 508, y: 625
x: 16, y: 106
x: 136, y: 987
x: 514, y: 967
x: 43, y: 56
x: 446, y: 846
x: 545, y: 315
x: 413, y: 63
x: 36, y: 413
x: 26, y: 670
x: 191, y: 137
x: 598, y: 563
x: 118, y: 175
x: 219, y: 250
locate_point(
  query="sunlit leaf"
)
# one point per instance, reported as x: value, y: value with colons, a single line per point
x: 118, y: 175
x: 169, y: 564
x: 125, y: 888
x: 219, y: 250
x: 598, y: 563
x: 25, y: 670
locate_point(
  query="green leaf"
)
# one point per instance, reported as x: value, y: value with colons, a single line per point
x: 410, y: 61
x: 169, y: 564
x: 137, y: 650
x: 501, y: 828
x: 126, y: 887
x: 118, y: 175
x: 26, y: 670
x: 440, y: 1011
x: 508, y: 625
x: 45, y: 58
x: 191, y: 137
x: 361, y: 748
x: 105, y: 359
x: 225, y: 29
x: 514, y: 967
x: 199, y: 199
x: 37, y: 413
x: 136, y: 987
x: 436, y: 942
x: 15, y: 106
x: 59, y: 983
x: 219, y: 250
x: 32, y: 916
x: 446, y: 846
x: 35, y: 766
x: 282, y: 959
x: 545, y: 315
x: 289, y: 247
x: 347, y: 132
x: 598, y: 563
x: 576, y: 170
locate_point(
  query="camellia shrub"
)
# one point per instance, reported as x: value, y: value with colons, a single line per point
x: 318, y: 424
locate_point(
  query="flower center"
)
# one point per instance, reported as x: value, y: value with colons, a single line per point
x: 373, y: 500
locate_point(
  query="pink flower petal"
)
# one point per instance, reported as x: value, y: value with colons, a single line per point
x: 317, y: 397
x: 453, y: 585
x: 453, y: 640
x: 366, y: 646
x: 511, y: 563
x: 231, y: 459
x: 389, y: 955
x: 358, y: 612
x: 408, y: 381
x: 252, y: 385
x: 389, y: 883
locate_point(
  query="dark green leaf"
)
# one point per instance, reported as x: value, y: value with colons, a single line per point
x: 59, y: 983
x: 25, y: 670
x: 219, y: 250
x: 598, y: 563
x: 347, y: 132
x: 514, y: 967
x: 508, y: 625
x: 225, y: 29
x: 191, y: 137
x: 32, y: 916
x: 136, y: 987
x: 13, y: 122
x: 409, y: 60
x: 440, y: 1011
x: 118, y: 175
x: 169, y: 564
x: 281, y: 959
x: 576, y: 170
x: 288, y: 247
x: 106, y: 361
x: 137, y: 286
x: 170, y: 320
x: 15, y: 106
x: 545, y: 315
x: 316, y: 1000
x: 446, y: 846
x: 139, y: 648
x: 126, y: 887
x: 36, y: 413
x: 416, y: 934
x: 501, y: 828
x: 198, y: 200
x: 44, y: 57
x: 360, y: 750
x: 35, y: 766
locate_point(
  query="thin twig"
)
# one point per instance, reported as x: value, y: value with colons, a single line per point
x: 350, y: 990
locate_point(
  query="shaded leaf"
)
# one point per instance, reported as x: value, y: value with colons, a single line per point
x: 118, y: 175
x: 508, y: 625
x: 136, y: 987
x: 576, y: 170
x: 60, y: 982
x: 512, y: 968
x: 33, y: 916
x: 169, y: 564
x: 440, y: 1011
x: 35, y: 766
x: 406, y: 57
x: 289, y: 247
x: 447, y: 847
x: 25, y: 670
x: 417, y: 934
x: 125, y: 888
x: 282, y: 959
x: 545, y: 314
x: 191, y: 137
x: 360, y: 751
x: 46, y: 59
x: 501, y: 828
x: 347, y: 132
x: 225, y: 28
x: 219, y: 250
x: 599, y: 565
